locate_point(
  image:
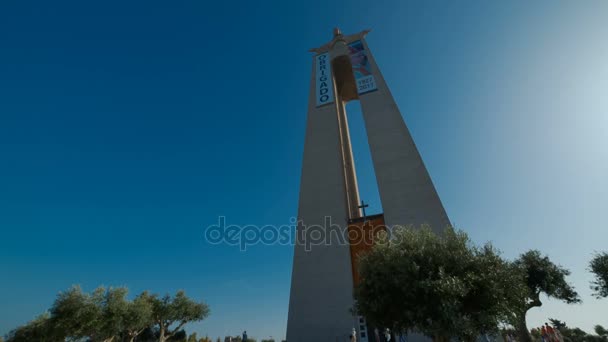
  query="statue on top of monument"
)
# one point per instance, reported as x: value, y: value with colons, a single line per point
x: 337, y: 32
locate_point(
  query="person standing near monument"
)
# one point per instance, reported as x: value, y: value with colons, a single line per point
x: 387, y: 335
x: 550, y: 333
x: 543, y: 334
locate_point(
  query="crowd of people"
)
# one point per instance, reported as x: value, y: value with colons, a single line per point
x: 549, y: 334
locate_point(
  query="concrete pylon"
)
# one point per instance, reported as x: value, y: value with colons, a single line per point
x: 406, y: 191
x: 323, y: 278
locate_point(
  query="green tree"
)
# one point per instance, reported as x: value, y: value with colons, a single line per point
x: 440, y: 285
x: 557, y: 324
x: 100, y: 316
x: 535, y: 333
x: 601, y: 331
x: 599, y: 267
x: 107, y: 315
x: 137, y: 316
x: 104, y: 315
x: 172, y: 313
x: 38, y: 329
x: 114, y: 307
x: 575, y: 335
x: 540, y: 275
x: 192, y: 338
x: 78, y: 315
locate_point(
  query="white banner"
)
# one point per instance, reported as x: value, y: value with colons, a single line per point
x: 325, y: 88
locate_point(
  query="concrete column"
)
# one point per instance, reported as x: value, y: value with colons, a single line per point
x: 350, y: 174
x: 321, y: 283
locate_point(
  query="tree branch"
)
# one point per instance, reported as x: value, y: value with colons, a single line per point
x: 181, y: 325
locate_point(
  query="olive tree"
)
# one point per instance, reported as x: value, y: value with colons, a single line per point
x: 79, y: 315
x: 172, y: 313
x: 440, y: 285
x: 541, y: 276
x: 107, y: 315
x: 39, y: 329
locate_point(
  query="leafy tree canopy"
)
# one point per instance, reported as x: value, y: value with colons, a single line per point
x: 601, y: 331
x: 543, y: 276
x: 192, y: 338
x: 38, y: 329
x: 579, y: 335
x: 107, y: 315
x: 172, y: 313
x: 556, y: 323
x: 540, y: 275
x: 441, y: 285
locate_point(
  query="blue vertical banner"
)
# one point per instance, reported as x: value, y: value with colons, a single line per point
x: 361, y: 68
x: 323, y: 79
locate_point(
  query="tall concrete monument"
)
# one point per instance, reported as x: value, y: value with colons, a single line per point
x: 324, y: 272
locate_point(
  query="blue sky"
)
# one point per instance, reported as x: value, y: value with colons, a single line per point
x: 126, y: 128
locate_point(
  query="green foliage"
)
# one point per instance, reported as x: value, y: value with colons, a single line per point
x: 38, y: 329
x: 543, y: 276
x: 576, y: 334
x: 101, y: 315
x: 137, y: 316
x: 601, y: 331
x: 107, y: 315
x: 536, y: 335
x: 557, y: 324
x: 599, y: 267
x: 268, y: 340
x: 192, y: 338
x: 172, y: 313
x: 77, y: 315
x: 240, y: 339
x: 442, y: 285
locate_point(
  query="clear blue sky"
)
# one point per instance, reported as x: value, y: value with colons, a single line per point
x: 126, y: 127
